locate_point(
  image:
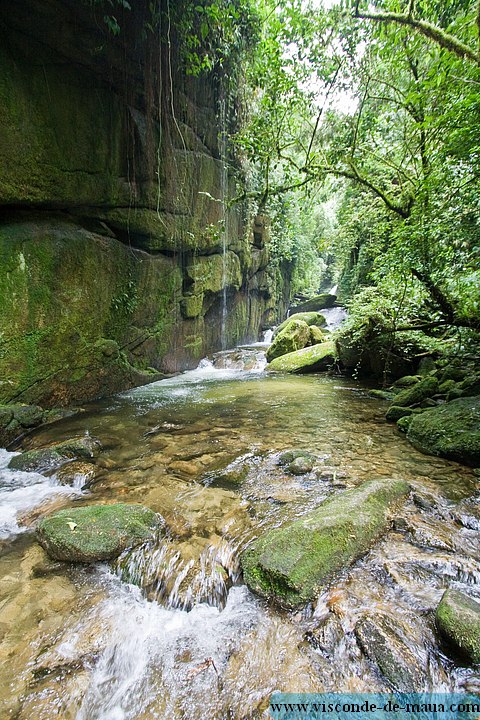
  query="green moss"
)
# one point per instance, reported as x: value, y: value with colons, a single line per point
x: 290, y: 564
x: 394, y: 413
x: 97, y: 532
x: 310, y: 359
x: 458, y: 620
x: 294, y: 336
x: 311, y: 318
x: 451, y: 430
x: 418, y: 392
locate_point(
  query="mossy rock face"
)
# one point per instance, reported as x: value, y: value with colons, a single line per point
x: 311, y: 318
x: 309, y: 359
x: 458, y: 620
x: 382, y: 643
x: 56, y: 455
x: 451, y: 430
x: 291, y: 564
x: 294, y: 336
x: 319, y: 302
x: 97, y: 532
x: 418, y: 392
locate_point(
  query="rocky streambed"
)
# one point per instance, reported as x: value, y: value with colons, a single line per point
x: 231, y: 464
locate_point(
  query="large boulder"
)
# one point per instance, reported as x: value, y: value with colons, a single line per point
x: 97, y: 532
x: 319, y: 302
x: 417, y: 393
x: 290, y: 564
x: 451, y: 430
x: 311, y: 318
x: 309, y: 359
x: 458, y: 620
x: 294, y: 336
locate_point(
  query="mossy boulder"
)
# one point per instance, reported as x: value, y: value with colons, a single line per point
x: 451, y: 430
x: 383, y: 644
x: 294, y: 336
x: 417, y: 393
x: 291, y: 564
x: 95, y: 533
x: 394, y: 413
x: 309, y: 359
x: 382, y: 394
x: 406, y: 381
x: 316, y: 335
x: 319, y: 302
x: 311, y: 318
x: 458, y: 620
x: 85, y: 447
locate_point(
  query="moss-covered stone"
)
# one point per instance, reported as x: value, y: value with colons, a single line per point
x: 97, y: 532
x: 192, y: 305
x: 310, y: 359
x: 56, y: 455
x: 382, y: 394
x: 211, y: 273
x: 416, y: 393
x: 294, y: 336
x: 394, y: 413
x: 458, y: 620
x: 290, y: 564
x: 311, y: 318
x: 319, y: 302
x: 316, y: 335
x: 403, y: 423
x: 451, y: 430
x: 406, y: 381
x: 297, y: 462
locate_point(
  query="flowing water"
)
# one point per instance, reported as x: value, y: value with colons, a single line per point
x: 169, y: 630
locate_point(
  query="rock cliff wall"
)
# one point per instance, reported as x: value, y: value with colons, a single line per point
x: 117, y: 258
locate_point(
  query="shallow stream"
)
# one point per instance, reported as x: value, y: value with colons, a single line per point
x: 190, y: 640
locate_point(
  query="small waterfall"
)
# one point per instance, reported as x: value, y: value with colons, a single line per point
x: 159, y: 569
x: 224, y: 220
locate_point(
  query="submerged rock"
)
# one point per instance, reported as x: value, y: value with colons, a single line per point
x: 97, y: 532
x: 85, y: 447
x: 451, y: 430
x: 381, y: 643
x: 310, y: 359
x: 416, y: 393
x: 458, y: 620
x: 290, y: 564
x: 294, y: 336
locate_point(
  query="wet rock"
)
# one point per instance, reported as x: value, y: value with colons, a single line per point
x: 184, y: 467
x: 28, y: 415
x: 451, y: 430
x: 56, y: 455
x: 294, y: 336
x: 96, y: 532
x: 78, y: 474
x: 327, y: 636
x: 380, y: 641
x: 458, y: 620
x: 297, y: 462
x: 289, y: 564
x: 311, y: 318
x: 418, y: 392
x: 310, y: 359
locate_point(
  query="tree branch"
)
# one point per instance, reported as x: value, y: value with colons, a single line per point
x: 429, y: 30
